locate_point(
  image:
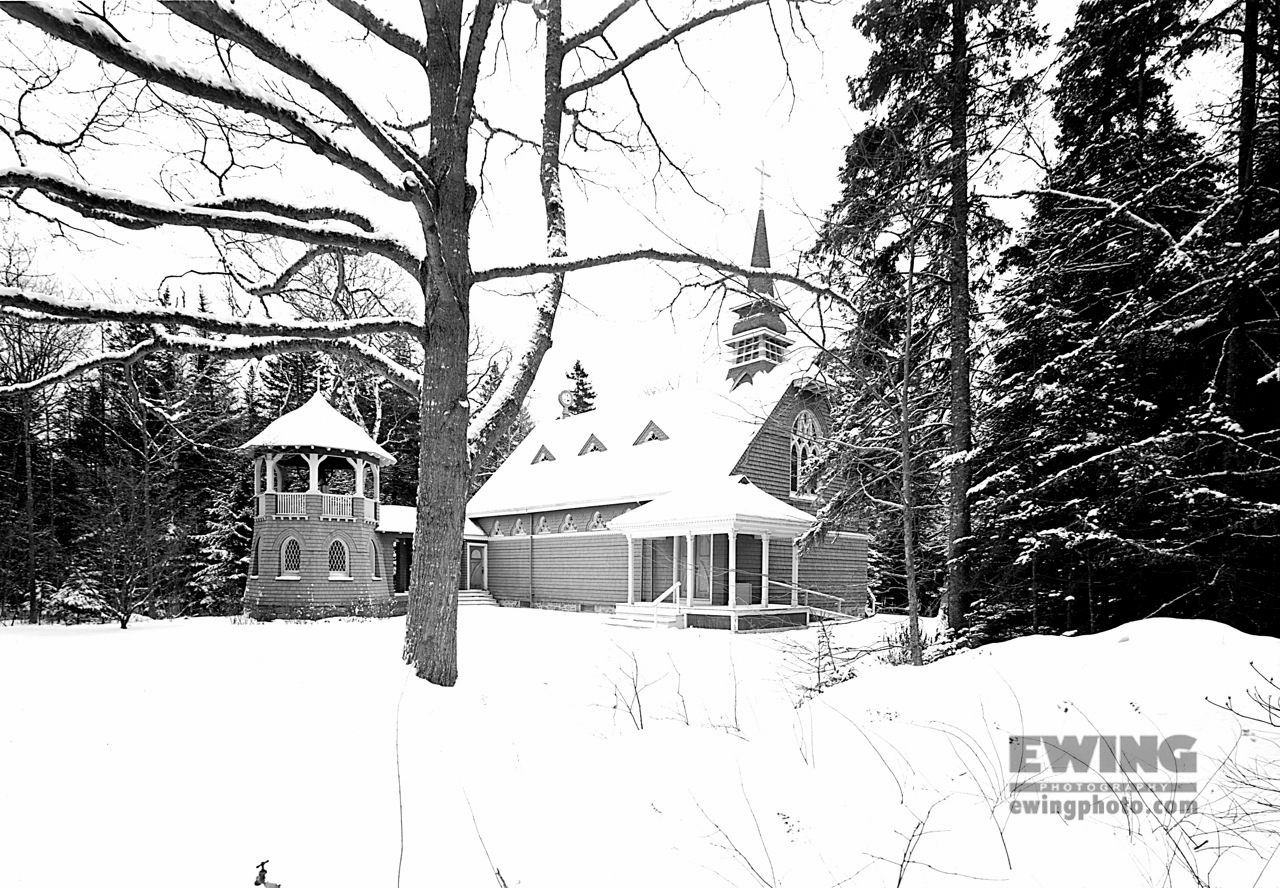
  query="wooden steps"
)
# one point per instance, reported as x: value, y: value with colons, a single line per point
x: 646, y: 616
x: 475, y: 598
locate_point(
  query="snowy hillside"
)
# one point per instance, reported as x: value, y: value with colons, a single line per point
x: 183, y: 753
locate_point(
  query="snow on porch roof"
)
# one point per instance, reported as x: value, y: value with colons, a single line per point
x: 706, y: 430
x: 316, y: 425
x: 404, y: 519
x: 716, y: 505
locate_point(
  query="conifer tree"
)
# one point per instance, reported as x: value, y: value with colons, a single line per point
x: 583, y: 396
x: 942, y: 79
x: 1104, y: 490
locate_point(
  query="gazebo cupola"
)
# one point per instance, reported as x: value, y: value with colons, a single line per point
x: 758, y: 342
x: 315, y: 551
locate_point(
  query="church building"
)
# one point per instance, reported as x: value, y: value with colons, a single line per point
x: 684, y: 508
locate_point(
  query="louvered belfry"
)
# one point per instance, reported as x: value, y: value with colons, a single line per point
x: 758, y: 342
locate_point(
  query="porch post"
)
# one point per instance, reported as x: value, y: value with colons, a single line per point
x: 733, y: 567
x: 688, y: 569
x: 764, y: 568
x: 313, y: 471
x: 795, y: 574
x: 359, y: 467
x: 631, y: 569
x: 270, y: 473
x: 675, y: 563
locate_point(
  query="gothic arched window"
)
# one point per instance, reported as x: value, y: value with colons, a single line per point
x: 804, y: 448
x: 291, y: 558
x: 339, y: 561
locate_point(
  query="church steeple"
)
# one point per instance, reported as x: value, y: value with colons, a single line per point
x: 760, y: 257
x: 758, y: 342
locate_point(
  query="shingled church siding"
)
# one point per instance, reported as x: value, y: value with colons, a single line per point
x: 569, y: 570
x: 767, y: 459
x: 838, y: 567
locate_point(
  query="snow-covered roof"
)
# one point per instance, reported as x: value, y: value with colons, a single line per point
x: 715, y: 505
x: 404, y: 519
x: 706, y: 431
x: 316, y: 425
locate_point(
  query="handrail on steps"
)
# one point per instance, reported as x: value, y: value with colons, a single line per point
x: 675, y: 588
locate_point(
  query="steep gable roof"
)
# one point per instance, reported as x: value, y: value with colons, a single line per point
x: 707, y: 431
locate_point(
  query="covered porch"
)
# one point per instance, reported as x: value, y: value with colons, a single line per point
x: 719, y: 555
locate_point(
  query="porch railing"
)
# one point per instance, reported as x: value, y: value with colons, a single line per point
x: 337, y: 505
x: 292, y: 505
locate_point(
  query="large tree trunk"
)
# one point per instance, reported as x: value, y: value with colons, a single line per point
x: 1234, y: 381
x: 431, y: 630
x: 957, y: 598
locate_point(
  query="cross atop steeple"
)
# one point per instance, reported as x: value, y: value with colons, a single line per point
x: 763, y: 176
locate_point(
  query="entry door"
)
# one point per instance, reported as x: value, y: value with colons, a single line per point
x: 404, y: 559
x: 475, y: 566
x: 702, y: 568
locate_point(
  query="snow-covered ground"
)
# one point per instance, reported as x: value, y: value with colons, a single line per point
x: 183, y: 753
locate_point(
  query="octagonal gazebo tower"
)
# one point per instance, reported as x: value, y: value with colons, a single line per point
x: 316, y: 551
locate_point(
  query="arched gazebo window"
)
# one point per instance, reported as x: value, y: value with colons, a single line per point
x: 339, y: 560
x: 291, y: 558
x: 253, y: 564
x: 373, y: 560
x: 804, y: 448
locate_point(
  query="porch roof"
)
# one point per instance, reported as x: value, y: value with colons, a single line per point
x: 715, y: 506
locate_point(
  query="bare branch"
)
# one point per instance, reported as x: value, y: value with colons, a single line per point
x: 657, y: 43
x: 89, y: 34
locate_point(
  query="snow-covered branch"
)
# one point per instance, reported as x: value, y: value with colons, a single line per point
x: 91, y: 33
x: 43, y: 307
x: 227, y: 350
x: 598, y: 29
x: 560, y: 265
x: 139, y: 213
x: 221, y: 21
x: 382, y: 29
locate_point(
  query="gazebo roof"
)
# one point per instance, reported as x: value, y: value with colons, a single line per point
x: 317, y: 426
x: 715, y: 506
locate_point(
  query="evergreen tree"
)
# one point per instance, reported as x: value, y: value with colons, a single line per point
x: 1105, y: 493
x: 583, y: 397
x: 941, y: 79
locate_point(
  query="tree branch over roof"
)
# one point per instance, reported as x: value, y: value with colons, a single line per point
x: 560, y: 265
x: 163, y: 342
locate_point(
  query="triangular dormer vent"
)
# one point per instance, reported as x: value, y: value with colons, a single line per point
x: 593, y: 445
x: 543, y: 455
x: 651, y: 433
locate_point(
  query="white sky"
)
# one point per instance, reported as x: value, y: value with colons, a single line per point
x: 614, y: 320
